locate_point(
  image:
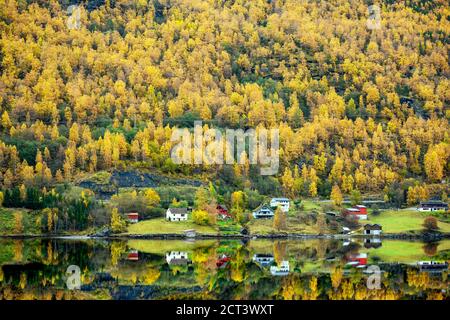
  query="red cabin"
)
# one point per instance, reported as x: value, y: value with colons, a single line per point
x: 133, y: 255
x: 223, y: 211
x: 357, y: 260
x: 133, y: 217
x: 222, y: 262
x: 359, y: 212
x: 362, y: 209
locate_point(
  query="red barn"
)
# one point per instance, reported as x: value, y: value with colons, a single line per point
x: 360, y: 212
x: 357, y: 260
x: 362, y: 209
x: 133, y: 255
x: 133, y: 217
x: 222, y: 211
x: 222, y: 261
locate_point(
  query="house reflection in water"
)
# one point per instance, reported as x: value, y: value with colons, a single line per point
x: 222, y: 261
x: 346, y: 242
x: 264, y: 260
x: 357, y: 260
x: 433, y: 266
x: 372, y: 243
x: 177, y: 258
x: 280, y: 270
x: 133, y: 255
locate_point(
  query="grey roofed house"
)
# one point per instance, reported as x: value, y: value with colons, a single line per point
x: 433, y: 205
x: 177, y: 214
x: 178, y: 210
x: 263, y: 211
x: 373, y: 227
x: 263, y: 259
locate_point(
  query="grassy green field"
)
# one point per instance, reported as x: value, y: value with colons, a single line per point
x: 265, y: 226
x: 310, y: 205
x: 161, y: 247
x: 229, y: 227
x: 398, y: 221
x: 403, y: 251
x: 160, y: 226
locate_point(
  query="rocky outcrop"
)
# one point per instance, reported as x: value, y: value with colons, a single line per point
x: 134, y: 179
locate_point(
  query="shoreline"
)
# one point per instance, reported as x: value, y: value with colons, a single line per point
x: 429, y: 237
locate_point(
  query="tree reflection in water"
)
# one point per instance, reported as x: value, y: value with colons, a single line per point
x: 213, y: 269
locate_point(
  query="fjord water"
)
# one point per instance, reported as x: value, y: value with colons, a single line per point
x: 218, y: 269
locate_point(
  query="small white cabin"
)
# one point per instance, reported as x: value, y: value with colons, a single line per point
x: 263, y: 212
x: 433, y: 206
x: 177, y: 214
x: 283, y: 203
x: 372, y: 229
x: 280, y: 270
x: 177, y: 257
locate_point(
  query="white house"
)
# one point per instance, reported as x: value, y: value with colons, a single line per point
x: 263, y: 212
x: 177, y: 257
x: 263, y: 259
x: 436, y: 266
x: 433, y: 206
x: 372, y: 229
x: 280, y: 270
x: 283, y: 203
x: 372, y: 242
x: 177, y: 214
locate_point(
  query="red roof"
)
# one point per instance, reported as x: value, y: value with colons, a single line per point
x: 360, y: 259
x: 133, y: 215
x: 220, y: 262
x: 357, y: 210
x: 133, y: 256
x: 222, y: 210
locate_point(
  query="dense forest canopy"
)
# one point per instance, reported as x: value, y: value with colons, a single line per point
x: 356, y: 108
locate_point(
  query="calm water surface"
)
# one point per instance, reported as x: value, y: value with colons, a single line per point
x: 213, y: 269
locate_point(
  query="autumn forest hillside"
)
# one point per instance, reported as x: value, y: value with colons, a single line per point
x: 357, y: 109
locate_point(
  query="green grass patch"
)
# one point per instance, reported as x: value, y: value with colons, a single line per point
x: 310, y: 205
x: 229, y: 227
x: 161, y: 226
x: 402, y: 221
x: 74, y: 192
x: 404, y: 251
x: 265, y: 226
x: 161, y: 247
x: 101, y: 177
x: 181, y: 193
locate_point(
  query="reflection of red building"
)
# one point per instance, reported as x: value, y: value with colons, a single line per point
x: 362, y: 209
x: 357, y: 260
x: 359, y: 212
x: 133, y: 255
x: 223, y: 211
x: 222, y: 261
